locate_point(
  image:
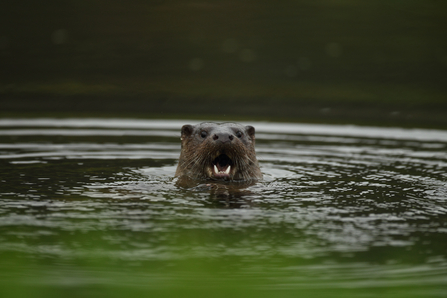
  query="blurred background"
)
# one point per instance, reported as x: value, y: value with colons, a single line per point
x: 372, y: 62
x: 89, y: 206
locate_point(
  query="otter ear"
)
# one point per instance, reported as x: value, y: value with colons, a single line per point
x: 250, y: 131
x: 187, y: 130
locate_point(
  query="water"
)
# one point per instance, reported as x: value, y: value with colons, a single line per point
x: 91, y: 207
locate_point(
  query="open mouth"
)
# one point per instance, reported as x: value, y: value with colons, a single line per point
x: 222, y: 166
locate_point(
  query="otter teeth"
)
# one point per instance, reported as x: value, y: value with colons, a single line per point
x: 227, y: 171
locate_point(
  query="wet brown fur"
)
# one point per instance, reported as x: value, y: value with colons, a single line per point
x: 198, y: 153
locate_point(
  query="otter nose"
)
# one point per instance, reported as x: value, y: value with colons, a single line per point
x: 223, y: 137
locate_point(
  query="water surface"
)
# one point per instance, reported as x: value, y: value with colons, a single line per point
x: 92, y: 205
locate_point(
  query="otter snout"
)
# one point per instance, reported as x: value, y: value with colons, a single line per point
x: 223, y: 137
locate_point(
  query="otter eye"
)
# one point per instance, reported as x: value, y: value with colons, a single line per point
x: 239, y: 134
x: 203, y: 134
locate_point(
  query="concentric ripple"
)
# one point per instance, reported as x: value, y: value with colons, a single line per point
x: 342, y: 203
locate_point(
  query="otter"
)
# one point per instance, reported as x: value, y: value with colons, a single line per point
x: 218, y: 151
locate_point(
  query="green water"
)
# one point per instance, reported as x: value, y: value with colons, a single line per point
x: 89, y: 207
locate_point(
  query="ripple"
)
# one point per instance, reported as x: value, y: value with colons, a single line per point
x: 339, y: 197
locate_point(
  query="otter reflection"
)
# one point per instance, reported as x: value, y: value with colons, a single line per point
x: 222, y: 194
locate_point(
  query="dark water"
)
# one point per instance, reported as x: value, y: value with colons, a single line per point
x: 90, y: 207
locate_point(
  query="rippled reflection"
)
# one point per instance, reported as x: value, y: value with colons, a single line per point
x: 333, y: 197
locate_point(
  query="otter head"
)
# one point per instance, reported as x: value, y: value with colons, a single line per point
x: 218, y: 151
